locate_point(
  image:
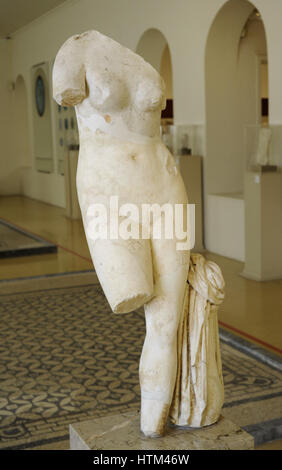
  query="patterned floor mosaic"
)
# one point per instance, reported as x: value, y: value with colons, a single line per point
x: 64, y: 357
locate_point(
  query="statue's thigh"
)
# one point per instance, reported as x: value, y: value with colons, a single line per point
x: 170, y: 268
x: 124, y: 269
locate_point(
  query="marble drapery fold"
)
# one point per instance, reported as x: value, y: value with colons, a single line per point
x: 199, y: 390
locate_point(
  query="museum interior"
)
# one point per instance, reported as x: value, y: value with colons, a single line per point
x: 65, y: 357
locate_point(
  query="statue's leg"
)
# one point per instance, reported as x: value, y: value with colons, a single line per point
x: 158, y: 364
x: 124, y: 269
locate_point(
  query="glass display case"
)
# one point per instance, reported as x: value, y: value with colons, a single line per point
x: 167, y: 135
x: 66, y: 134
x: 182, y: 139
x: 263, y: 148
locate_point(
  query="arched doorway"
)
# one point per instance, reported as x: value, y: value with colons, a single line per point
x: 154, y: 48
x: 236, y: 97
x: 22, y: 150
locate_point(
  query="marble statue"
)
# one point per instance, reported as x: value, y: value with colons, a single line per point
x: 118, y: 98
x: 262, y: 152
x: 199, y: 390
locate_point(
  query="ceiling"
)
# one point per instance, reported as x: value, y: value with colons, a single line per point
x: 17, y: 13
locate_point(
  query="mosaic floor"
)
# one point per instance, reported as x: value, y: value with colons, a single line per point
x: 64, y: 357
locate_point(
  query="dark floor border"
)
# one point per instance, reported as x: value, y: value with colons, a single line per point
x: 25, y: 232
x: 54, y: 275
x: 269, y: 396
x: 42, y: 442
x: 46, y: 247
x: 263, y: 432
x: 251, y: 349
x: 266, y: 431
x: 38, y: 250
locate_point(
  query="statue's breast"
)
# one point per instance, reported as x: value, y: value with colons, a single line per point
x: 117, y: 83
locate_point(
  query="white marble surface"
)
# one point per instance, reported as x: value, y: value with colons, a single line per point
x: 122, y: 432
x: 118, y: 98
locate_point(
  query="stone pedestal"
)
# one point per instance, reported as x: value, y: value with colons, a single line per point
x: 122, y: 432
x: 263, y: 225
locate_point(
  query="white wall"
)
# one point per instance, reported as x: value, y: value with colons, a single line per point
x: 166, y: 72
x: 21, y: 147
x: 252, y: 49
x: 224, y: 103
x: 151, y: 47
x: 226, y: 226
x: 233, y: 102
x: 185, y: 25
x: 9, y: 163
x: 233, y: 93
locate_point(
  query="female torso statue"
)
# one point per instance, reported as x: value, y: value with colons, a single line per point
x: 118, y: 99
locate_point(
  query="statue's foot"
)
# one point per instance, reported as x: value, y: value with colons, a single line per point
x: 151, y: 434
x: 154, y: 414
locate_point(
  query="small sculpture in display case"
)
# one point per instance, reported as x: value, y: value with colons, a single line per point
x: 263, y: 148
x: 185, y: 150
x: 167, y: 137
x: 262, y: 154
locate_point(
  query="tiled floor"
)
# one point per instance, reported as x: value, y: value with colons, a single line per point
x: 64, y: 445
x: 16, y: 242
x: 50, y: 223
x: 64, y: 358
x: 251, y: 309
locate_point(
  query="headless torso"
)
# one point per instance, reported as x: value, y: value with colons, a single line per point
x: 118, y: 99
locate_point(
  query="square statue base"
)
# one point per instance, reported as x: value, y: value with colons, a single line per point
x: 122, y: 432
